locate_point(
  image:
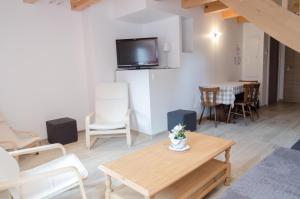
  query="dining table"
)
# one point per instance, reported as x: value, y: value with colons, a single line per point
x: 228, y: 91
x: 227, y: 95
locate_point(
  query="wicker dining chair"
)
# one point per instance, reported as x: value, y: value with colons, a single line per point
x: 209, y: 100
x: 255, y: 105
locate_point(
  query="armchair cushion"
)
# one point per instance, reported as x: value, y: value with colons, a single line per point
x: 107, y: 126
x: 111, y: 101
x: 54, y: 184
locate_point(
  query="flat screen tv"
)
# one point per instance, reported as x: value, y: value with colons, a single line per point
x: 137, y: 53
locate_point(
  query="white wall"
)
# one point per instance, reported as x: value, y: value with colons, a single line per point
x: 164, y: 96
x: 101, y: 29
x: 42, y: 68
x: 100, y: 32
x: 255, y: 58
x: 214, y: 57
x: 209, y: 62
x: 253, y: 43
x: 256, y: 55
x: 119, y: 8
x: 52, y: 57
x: 168, y: 31
x: 139, y: 97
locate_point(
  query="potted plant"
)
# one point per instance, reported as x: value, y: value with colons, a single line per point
x: 178, y: 137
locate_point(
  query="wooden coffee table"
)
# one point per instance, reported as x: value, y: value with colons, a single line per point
x: 157, y: 172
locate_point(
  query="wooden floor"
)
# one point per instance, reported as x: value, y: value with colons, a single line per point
x: 277, y: 126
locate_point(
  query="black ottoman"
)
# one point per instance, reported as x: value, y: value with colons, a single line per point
x: 63, y: 130
x: 184, y: 117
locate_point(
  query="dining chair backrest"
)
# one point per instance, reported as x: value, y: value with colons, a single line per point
x: 9, y: 170
x: 209, y: 95
x: 111, y: 101
x: 251, y: 92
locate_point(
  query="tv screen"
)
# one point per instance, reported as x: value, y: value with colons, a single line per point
x: 137, y: 53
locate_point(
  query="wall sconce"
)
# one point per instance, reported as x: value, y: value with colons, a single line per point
x: 215, y: 35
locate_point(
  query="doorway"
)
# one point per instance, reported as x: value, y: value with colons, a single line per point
x: 273, y: 72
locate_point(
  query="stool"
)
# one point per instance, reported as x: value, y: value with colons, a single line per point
x: 184, y: 117
x: 63, y: 130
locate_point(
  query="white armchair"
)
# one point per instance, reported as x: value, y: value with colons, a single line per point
x: 44, y: 181
x: 112, y: 115
x: 11, y: 139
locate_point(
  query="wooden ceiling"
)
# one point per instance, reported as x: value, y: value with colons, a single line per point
x: 76, y: 5
x: 214, y: 6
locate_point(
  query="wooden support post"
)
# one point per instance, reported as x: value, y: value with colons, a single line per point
x: 228, y: 170
x: 108, y: 187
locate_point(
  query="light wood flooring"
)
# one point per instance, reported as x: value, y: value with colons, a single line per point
x: 277, y: 126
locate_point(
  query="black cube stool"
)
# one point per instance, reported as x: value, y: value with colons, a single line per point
x: 184, y: 117
x: 63, y: 130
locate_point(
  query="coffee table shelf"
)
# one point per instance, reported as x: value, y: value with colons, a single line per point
x: 195, y: 185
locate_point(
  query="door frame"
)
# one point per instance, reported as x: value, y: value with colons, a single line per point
x: 281, y: 64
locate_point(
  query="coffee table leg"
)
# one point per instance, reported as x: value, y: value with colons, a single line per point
x: 228, y: 171
x: 108, y: 187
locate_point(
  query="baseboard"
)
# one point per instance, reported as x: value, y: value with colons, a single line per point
x: 45, y: 141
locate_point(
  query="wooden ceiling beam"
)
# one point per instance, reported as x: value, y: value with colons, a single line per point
x: 194, y: 3
x: 79, y: 5
x: 229, y: 14
x: 30, y: 1
x: 214, y: 7
x: 241, y: 19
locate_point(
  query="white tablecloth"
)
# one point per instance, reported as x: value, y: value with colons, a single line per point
x: 228, y: 90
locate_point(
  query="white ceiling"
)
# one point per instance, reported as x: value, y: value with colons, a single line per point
x: 146, y: 15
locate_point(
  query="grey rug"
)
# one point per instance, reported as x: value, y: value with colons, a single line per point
x: 276, y: 177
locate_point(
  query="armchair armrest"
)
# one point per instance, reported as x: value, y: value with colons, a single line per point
x: 127, y: 116
x: 28, y: 179
x: 38, y: 149
x: 88, y: 118
x: 127, y: 119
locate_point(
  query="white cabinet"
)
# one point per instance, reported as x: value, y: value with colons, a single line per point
x: 152, y: 95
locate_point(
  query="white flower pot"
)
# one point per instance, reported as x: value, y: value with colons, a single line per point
x: 177, y: 144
